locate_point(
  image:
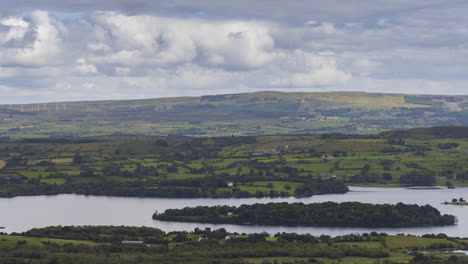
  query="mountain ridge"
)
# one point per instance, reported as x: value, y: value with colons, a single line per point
x: 261, y: 92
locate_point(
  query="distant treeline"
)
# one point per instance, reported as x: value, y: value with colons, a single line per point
x: 441, y: 132
x: 190, y: 188
x: 150, y: 235
x: 348, y: 214
x: 438, y: 132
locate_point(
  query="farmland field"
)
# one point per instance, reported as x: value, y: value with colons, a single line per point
x: 288, y: 165
x: 259, y: 113
x: 99, y: 244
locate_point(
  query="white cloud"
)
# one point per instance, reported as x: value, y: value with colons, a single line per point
x: 120, y: 54
x: 84, y: 68
x: 43, y: 49
x: 14, y: 22
x: 365, y: 66
x: 18, y: 29
x: 63, y: 86
x: 311, y: 22
x: 96, y: 47
x: 150, y: 40
x: 88, y: 85
x: 319, y: 70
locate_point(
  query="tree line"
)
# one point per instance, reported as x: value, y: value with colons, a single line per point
x: 212, y: 187
x: 103, y: 244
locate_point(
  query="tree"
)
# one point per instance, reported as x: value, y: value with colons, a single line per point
x: 448, y: 145
x: 453, y: 259
x: 365, y: 169
x: 414, y: 178
x: 78, y: 158
x: 181, y: 237
x: 387, y: 176
x: 449, y: 185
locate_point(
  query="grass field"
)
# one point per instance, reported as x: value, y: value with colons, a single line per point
x: 259, y: 113
x: 248, y: 162
x: 397, y: 249
x: 35, y: 241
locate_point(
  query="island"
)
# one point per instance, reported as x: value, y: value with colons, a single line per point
x: 456, y: 201
x: 328, y: 214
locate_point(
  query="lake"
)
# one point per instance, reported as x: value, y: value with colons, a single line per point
x: 23, y: 213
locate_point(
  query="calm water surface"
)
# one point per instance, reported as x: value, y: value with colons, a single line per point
x: 23, y: 213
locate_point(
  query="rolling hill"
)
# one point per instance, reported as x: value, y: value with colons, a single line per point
x: 258, y: 113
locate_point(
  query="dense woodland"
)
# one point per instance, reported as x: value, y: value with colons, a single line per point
x: 348, y: 214
x: 104, y: 244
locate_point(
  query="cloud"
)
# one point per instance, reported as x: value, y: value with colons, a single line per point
x: 88, y: 85
x: 84, y: 68
x: 151, y: 40
x: 40, y: 50
x: 296, y: 11
x: 127, y: 49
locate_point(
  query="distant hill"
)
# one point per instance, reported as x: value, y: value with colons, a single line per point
x: 259, y: 113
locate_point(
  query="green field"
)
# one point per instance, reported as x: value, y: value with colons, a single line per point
x: 233, y: 166
x: 105, y: 245
x: 259, y: 113
x: 9, y: 241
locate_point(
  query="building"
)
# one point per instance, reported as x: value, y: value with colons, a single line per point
x: 128, y: 242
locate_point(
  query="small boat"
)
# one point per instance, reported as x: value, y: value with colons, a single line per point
x: 2, y: 227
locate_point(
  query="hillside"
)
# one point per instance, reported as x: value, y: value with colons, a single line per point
x: 259, y: 113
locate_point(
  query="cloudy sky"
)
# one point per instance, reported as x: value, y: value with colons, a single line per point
x: 72, y: 50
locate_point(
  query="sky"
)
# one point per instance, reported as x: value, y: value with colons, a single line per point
x: 68, y: 50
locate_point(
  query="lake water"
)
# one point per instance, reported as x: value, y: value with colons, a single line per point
x: 23, y: 213
x: 462, y: 252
